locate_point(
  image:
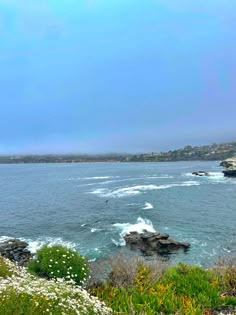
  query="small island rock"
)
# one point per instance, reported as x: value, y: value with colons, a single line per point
x: 201, y: 173
x: 150, y: 243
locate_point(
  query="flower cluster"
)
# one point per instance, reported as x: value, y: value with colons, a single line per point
x: 23, y: 291
x: 60, y: 262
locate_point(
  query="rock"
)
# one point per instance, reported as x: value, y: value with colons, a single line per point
x: 201, y: 173
x: 16, y: 251
x: 229, y: 163
x: 230, y: 173
x: 150, y: 243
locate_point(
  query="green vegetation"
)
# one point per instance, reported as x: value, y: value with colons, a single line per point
x: 183, y: 289
x: 128, y: 285
x: 60, y: 262
x: 5, y: 270
x: 189, y: 153
x: 24, y: 294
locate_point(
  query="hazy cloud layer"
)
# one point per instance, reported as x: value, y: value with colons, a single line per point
x: 99, y: 75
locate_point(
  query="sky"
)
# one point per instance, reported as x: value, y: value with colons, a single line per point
x: 101, y: 76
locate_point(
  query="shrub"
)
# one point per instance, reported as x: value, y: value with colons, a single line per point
x: 60, y: 262
x: 121, y: 270
x: 195, y: 283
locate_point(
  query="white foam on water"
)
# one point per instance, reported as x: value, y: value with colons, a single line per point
x: 100, y: 177
x: 210, y: 176
x: 190, y: 183
x: 216, y: 176
x: 37, y: 244
x: 91, y: 178
x: 158, y: 176
x: 188, y: 174
x: 5, y: 238
x: 226, y: 250
x: 34, y: 245
x: 138, y: 189
x: 93, y: 230
x: 126, y: 228
x: 147, y: 206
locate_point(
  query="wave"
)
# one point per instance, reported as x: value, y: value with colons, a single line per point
x: 135, y: 190
x: 216, y: 175
x: 100, y: 177
x: 148, y: 206
x: 158, y: 176
x: 126, y: 228
x: 211, y: 177
x: 92, y: 177
x: 93, y: 230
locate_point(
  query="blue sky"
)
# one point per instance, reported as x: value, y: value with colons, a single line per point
x: 96, y: 76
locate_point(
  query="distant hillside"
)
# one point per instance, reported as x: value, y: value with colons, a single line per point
x: 188, y: 153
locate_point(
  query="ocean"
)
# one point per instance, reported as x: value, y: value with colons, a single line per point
x: 91, y: 206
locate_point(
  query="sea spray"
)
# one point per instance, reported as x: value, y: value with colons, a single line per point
x: 126, y: 228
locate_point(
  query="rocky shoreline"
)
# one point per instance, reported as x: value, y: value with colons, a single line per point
x: 16, y: 250
x: 148, y: 243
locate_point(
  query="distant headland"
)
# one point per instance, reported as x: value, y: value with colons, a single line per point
x: 212, y: 152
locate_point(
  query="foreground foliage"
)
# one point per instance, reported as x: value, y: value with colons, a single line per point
x: 185, y: 290
x: 60, y: 262
x: 129, y: 286
x: 24, y: 294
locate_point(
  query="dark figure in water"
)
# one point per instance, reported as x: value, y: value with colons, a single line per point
x: 106, y: 201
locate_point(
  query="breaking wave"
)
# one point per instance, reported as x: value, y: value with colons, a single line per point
x: 147, y: 206
x: 135, y: 190
x: 125, y: 228
x: 38, y: 243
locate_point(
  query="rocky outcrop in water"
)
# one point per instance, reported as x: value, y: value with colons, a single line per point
x: 229, y: 163
x: 16, y: 251
x: 230, y: 173
x: 201, y: 173
x: 150, y: 243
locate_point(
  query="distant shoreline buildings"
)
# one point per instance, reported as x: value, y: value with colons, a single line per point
x: 188, y: 153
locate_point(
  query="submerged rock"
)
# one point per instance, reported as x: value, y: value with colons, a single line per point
x: 16, y: 251
x: 201, y: 173
x: 150, y: 243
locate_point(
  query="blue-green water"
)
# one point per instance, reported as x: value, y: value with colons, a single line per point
x: 91, y: 205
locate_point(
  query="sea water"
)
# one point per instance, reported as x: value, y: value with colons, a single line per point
x: 91, y: 206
